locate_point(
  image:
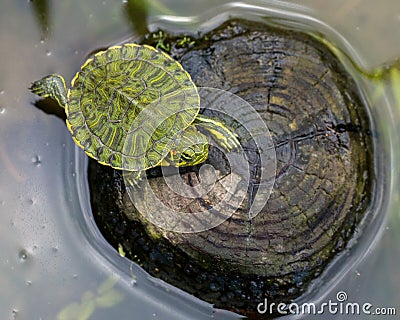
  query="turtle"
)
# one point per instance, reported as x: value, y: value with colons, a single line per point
x: 133, y: 107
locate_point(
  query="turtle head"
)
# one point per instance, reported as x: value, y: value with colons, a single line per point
x: 51, y: 86
x: 190, y: 149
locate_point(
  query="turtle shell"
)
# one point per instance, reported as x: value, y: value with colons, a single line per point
x: 128, y: 104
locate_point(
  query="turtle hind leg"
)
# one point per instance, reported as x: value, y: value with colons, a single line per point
x: 52, y: 86
x: 223, y: 135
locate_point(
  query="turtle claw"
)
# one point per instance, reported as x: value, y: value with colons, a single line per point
x: 133, y: 178
x: 230, y: 143
x: 233, y: 143
x: 222, y: 134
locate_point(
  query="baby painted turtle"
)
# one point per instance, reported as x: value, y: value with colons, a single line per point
x: 118, y: 85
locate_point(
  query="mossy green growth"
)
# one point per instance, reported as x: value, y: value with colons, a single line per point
x: 161, y: 42
x: 168, y: 43
x: 186, y: 41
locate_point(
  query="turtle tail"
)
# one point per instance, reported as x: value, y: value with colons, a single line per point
x: 52, y: 86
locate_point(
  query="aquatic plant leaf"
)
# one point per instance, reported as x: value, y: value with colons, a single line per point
x: 87, y: 296
x: 41, y: 12
x: 395, y: 79
x: 107, y: 285
x: 109, y: 299
x: 86, y: 310
x: 70, y: 312
x: 137, y: 12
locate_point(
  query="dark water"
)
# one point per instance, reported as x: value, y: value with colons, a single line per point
x: 49, y: 240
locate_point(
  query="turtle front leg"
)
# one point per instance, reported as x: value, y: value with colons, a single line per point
x: 223, y: 135
x: 133, y: 178
x: 52, y: 86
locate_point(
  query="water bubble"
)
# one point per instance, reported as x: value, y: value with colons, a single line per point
x: 36, y: 161
x: 2, y: 110
x: 14, y: 313
x: 23, y: 255
x: 28, y: 282
x: 48, y: 53
x: 1, y: 92
x: 154, y: 314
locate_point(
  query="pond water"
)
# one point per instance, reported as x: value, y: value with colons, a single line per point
x: 54, y: 262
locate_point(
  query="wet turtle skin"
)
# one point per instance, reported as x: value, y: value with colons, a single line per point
x: 320, y: 129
